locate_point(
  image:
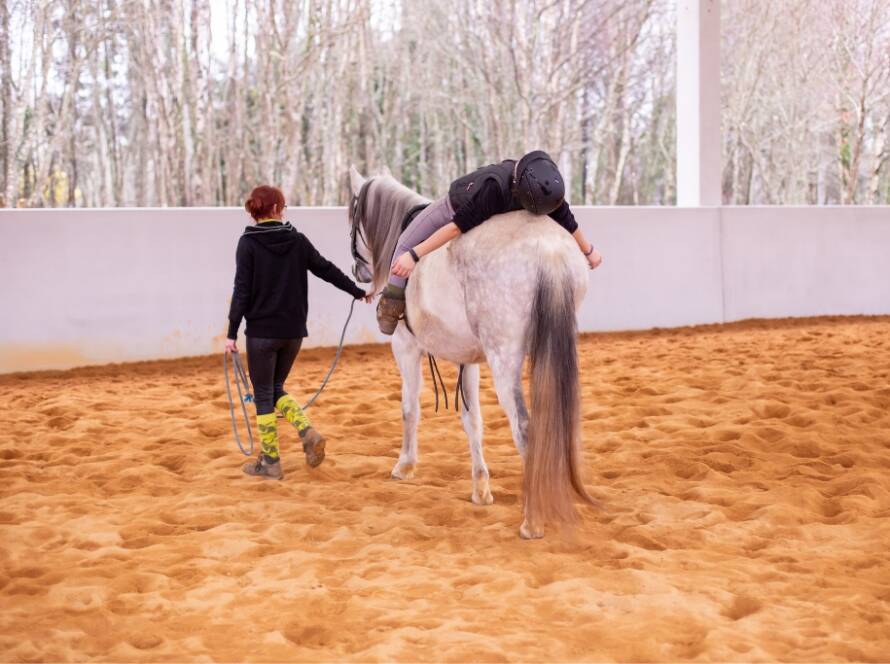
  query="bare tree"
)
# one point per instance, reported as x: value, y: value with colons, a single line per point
x: 805, y: 89
x: 192, y: 102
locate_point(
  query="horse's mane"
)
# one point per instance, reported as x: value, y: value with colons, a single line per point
x: 380, y: 208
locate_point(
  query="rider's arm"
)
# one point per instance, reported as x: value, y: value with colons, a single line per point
x: 583, y: 244
x: 592, y: 255
x: 448, y: 232
x: 564, y: 217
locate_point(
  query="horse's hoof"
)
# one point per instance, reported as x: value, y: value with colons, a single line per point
x: 403, y: 472
x: 527, y: 532
x: 482, y: 492
x: 480, y: 498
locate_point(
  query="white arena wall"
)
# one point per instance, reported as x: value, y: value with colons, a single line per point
x: 88, y: 286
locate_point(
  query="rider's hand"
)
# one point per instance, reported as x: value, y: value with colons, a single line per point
x: 403, y: 266
x: 369, y: 296
x: 231, y: 346
x: 594, y: 259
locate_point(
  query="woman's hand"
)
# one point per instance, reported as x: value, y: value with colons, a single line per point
x: 231, y: 346
x: 594, y: 259
x: 369, y: 296
x: 404, y: 266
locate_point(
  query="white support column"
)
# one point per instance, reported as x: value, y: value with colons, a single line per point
x: 698, y: 103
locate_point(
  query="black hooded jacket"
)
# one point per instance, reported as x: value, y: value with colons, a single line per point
x: 271, y: 285
x: 488, y: 191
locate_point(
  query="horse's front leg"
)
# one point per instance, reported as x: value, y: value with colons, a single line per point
x: 471, y: 418
x: 408, y: 356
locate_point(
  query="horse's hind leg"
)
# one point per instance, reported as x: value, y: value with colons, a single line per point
x: 506, y: 370
x: 471, y: 417
x: 408, y: 356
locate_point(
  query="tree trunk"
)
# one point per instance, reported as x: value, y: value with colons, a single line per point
x: 6, y: 109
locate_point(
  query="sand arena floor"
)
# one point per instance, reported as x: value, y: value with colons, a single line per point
x: 745, y: 470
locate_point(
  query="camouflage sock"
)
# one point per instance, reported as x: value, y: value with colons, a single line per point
x: 292, y: 412
x: 394, y: 292
x: 268, y: 428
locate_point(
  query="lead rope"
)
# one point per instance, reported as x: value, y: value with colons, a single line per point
x: 244, y: 395
x: 336, y: 358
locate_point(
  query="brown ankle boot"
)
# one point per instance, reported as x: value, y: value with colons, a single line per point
x: 264, y: 467
x: 313, y: 446
x: 389, y: 311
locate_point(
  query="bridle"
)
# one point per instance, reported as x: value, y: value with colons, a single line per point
x: 357, y: 215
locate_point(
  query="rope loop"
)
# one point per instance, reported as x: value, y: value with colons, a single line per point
x: 244, y: 397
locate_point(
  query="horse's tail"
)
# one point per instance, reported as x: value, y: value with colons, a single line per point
x: 553, y: 456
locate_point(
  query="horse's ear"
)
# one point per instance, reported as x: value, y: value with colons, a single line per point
x: 355, y: 180
x: 386, y: 171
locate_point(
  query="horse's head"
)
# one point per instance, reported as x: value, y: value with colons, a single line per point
x: 379, y: 204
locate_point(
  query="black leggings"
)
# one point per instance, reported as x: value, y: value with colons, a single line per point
x: 269, y: 362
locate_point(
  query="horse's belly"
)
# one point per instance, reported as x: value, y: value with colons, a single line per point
x: 437, y: 312
x: 447, y: 343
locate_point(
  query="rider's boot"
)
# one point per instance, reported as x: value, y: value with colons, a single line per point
x: 390, y: 309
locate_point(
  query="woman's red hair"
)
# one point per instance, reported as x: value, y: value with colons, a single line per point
x: 263, y: 200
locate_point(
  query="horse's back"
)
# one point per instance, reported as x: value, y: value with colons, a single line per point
x: 477, y: 293
x: 505, y: 257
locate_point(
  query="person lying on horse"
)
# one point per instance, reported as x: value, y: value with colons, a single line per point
x: 532, y: 183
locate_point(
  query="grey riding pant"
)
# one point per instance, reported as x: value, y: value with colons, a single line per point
x: 432, y: 218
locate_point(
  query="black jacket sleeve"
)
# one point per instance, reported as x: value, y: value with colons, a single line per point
x: 564, y: 217
x: 322, y: 268
x: 241, y: 292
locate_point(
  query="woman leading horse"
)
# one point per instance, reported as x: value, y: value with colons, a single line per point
x: 272, y: 262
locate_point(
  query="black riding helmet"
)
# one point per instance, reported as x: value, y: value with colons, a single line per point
x: 537, y: 183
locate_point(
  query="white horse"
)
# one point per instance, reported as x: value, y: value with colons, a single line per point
x: 507, y: 289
